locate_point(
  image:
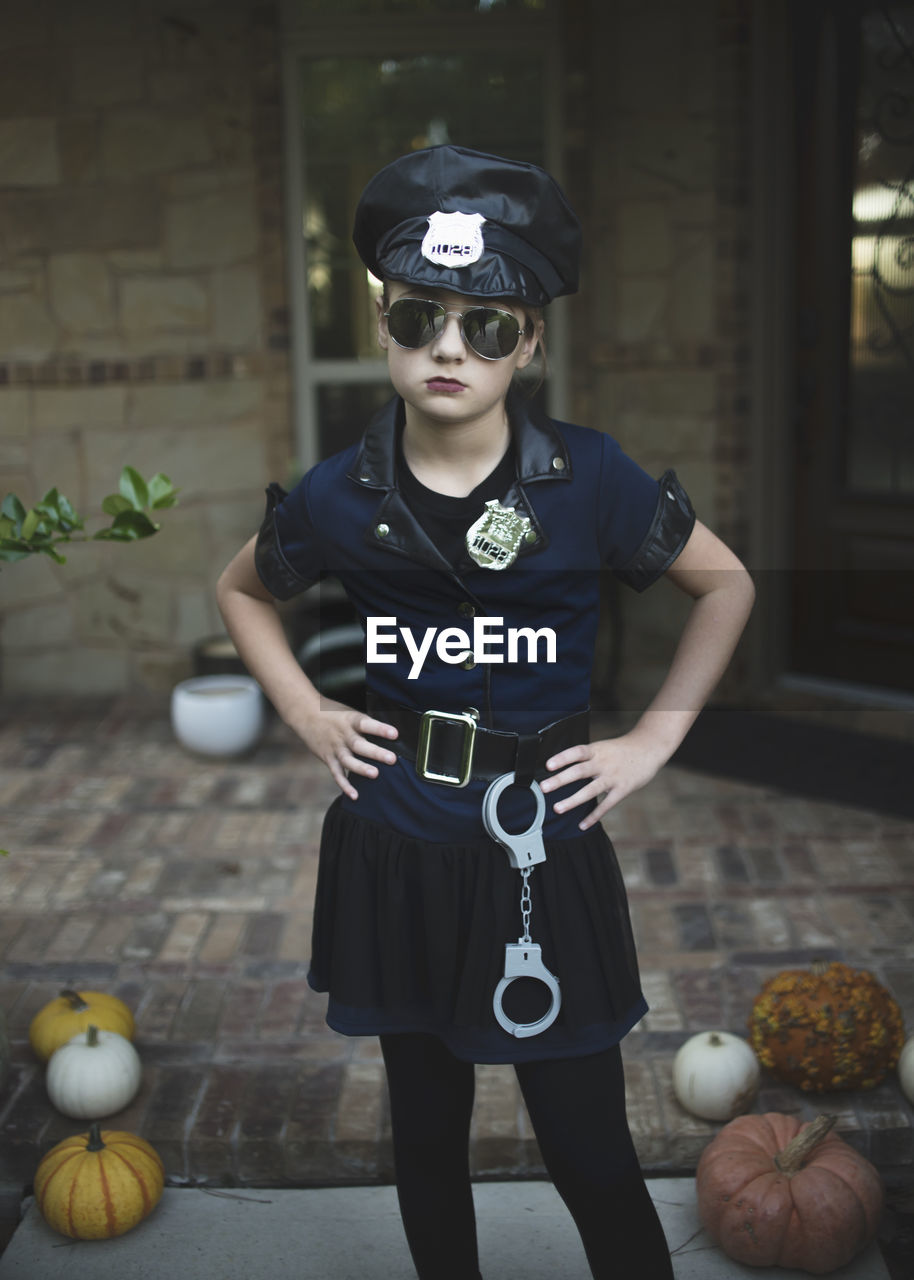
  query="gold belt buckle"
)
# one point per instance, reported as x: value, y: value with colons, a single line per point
x: 430, y: 718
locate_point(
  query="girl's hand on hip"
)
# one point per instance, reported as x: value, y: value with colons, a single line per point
x: 337, y: 735
x: 612, y: 768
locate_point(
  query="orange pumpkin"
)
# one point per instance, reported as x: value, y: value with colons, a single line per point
x: 98, y: 1184
x: 829, y: 1028
x: 774, y: 1192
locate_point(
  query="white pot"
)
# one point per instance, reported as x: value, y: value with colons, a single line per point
x: 217, y: 715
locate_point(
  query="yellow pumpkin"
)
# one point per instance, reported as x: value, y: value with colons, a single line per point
x: 72, y: 1012
x: 98, y: 1184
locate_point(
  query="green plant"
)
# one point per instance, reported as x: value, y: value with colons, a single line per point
x: 42, y: 528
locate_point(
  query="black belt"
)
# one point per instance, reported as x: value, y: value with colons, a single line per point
x: 451, y: 748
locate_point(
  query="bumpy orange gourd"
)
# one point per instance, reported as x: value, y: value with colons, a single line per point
x: 774, y: 1192
x: 98, y: 1184
x: 829, y: 1028
x: 72, y: 1012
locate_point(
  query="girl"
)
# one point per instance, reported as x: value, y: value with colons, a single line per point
x: 469, y: 533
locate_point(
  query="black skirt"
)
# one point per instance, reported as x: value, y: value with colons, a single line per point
x: 410, y: 935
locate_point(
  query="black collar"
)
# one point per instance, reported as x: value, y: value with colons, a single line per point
x: 540, y: 452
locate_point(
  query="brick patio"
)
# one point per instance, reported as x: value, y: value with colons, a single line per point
x: 185, y: 887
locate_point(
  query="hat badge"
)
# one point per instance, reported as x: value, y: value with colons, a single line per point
x: 453, y: 239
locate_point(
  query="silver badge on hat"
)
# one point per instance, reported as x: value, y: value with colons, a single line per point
x: 453, y: 239
x: 494, y: 539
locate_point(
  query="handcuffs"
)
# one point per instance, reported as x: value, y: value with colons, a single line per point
x: 524, y: 958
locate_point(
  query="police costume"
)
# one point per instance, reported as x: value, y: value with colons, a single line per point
x: 417, y: 905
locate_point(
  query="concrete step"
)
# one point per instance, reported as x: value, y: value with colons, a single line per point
x: 354, y: 1233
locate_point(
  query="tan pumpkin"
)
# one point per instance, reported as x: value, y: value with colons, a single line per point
x: 98, y: 1184
x: 831, y: 1027
x: 72, y: 1012
x: 774, y: 1192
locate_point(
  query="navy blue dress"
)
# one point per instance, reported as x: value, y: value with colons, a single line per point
x: 414, y: 901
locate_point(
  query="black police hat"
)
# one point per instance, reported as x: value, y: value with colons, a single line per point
x: 477, y: 224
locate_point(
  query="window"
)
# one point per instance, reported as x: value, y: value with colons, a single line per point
x: 879, y: 452
x: 476, y: 74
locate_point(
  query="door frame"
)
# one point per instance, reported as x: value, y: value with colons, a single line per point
x: 772, y: 341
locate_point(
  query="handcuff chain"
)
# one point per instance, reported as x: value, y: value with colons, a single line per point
x: 526, y: 903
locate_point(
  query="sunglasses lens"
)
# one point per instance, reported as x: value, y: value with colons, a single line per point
x: 492, y: 334
x: 413, y: 322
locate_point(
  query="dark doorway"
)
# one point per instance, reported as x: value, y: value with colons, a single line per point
x: 853, y: 599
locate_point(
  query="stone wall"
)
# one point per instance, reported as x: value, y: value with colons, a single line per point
x: 142, y: 316
x: 658, y: 125
x: 143, y: 306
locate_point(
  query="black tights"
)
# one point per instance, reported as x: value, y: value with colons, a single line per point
x: 577, y: 1108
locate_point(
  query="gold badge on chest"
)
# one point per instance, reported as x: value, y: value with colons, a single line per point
x: 493, y: 540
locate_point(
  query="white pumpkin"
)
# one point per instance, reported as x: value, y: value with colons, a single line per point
x: 93, y: 1075
x: 716, y: 1075
x: 906, y: 1070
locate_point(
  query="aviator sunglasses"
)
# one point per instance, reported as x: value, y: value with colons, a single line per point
x: 414, y: 322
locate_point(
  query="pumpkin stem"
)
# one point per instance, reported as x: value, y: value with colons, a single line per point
x: 95, y: 1137
x: 795, y: 1154
x: 92, y: 1036
x: 715, y: 1039
x: 820, y: 968
x: 77, y: 1003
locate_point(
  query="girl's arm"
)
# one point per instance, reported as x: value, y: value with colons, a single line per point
x: 723, y: 594
x: 334, y: 732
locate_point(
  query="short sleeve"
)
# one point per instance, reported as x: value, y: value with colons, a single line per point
x: 644, y: 523
x: 287, y: 555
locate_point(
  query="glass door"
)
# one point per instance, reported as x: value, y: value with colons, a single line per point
x: 355, y: 101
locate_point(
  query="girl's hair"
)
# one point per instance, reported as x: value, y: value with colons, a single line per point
x: 534, y: 318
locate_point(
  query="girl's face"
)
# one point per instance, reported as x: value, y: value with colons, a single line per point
x: 446, y: 381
